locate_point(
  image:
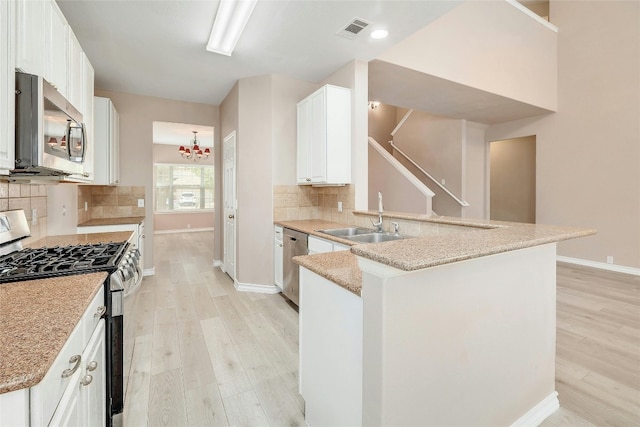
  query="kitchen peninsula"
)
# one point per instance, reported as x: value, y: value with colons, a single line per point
x: 455, y: 326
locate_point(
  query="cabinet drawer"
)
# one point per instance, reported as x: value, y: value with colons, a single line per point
x: 92, y: 316
x: 278, y: 234
x: 319, y: 246
x: 46, y: 394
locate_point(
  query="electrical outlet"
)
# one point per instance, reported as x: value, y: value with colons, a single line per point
x: 141, y: 203
x: 86, y: 206
x: 34, y: 216
x: 609, y: 259
x: 443, y: 181
x: 339, y: 206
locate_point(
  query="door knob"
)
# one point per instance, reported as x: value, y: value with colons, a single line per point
x: 231, y: 216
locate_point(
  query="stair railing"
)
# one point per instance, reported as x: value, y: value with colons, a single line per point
x: 395, y: 147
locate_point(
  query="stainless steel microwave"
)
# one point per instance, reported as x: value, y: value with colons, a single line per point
x: 50, y: 134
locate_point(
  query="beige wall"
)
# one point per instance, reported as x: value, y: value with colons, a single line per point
x: 588, y: 154
x: 486, y: 45
x: 137, y: 114
x: 382, y: 121
x: 285, y: 94
x: 475, y: 189
x: 398, y: 193
x: 355, y: 76
x: 513, y: 180
x: 254, y: 221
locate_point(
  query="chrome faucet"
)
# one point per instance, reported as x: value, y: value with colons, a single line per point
x: 378, y: 224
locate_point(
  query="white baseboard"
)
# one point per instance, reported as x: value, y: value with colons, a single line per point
x: 536, y: 415
x: 261, y: 289
x: 149, y: 272
x: 217, y: 263
x: 186, y: 230
x: 600, y: 265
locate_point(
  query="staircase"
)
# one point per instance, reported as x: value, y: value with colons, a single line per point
x: 441, y: 199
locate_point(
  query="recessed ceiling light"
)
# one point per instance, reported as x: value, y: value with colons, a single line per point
x: 230, y: 21
x: 379, y: 34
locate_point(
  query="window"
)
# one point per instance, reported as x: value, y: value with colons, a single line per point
x: 183, y: 187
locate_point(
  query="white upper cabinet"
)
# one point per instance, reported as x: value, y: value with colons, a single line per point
x: 7, y: 86
x: 56, y: 48
x: 30, y: 36
x: 75, y: 71
x: 324, y: 137
x: 106, y: 142
x: 87, y: 114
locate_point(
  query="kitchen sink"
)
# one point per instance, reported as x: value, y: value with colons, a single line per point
x: 347, y: 232
x: 361, y: 235
x: 375, y: 238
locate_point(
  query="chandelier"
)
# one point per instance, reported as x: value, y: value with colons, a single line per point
x: 194, y: 152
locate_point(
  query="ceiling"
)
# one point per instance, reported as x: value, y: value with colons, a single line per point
x: 157, y: 48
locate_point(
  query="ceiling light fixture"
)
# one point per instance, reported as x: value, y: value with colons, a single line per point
x: 231, y: 18
x: 194, y: 152
x: 379, y: 34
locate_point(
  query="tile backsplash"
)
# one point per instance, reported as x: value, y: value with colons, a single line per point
x: 306, y: 202
x: 30, y: 197
x: 105, y: 201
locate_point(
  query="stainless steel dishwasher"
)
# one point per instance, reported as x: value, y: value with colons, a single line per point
x: 295, y: 243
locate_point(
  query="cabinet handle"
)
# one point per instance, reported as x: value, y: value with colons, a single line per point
x: 92, y: 366
x: 86, y: 380
x: 231, y: 216
x: 101, y: 311
x: 308, y: 179
x: 280, y: 244
x: 77, y: 359
x: 143, y: 236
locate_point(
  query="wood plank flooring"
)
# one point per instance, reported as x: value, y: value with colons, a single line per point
x: 198, y: 353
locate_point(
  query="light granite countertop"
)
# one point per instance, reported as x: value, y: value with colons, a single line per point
x: 81, y: 239
x: 36, y: 318
x: 112, y: 221
x: 471, y: 239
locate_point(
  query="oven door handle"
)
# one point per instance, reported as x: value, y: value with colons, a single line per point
x: 102, y: 310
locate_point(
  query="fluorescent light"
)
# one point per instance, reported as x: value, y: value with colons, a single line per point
x: 379, y: 34
x: 230, y: 21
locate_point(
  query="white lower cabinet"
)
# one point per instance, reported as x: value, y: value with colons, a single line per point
x: 73, y: 391
x: 319, y: 246
x: 83, y: 401
x: 330, y: 352
x: 7, y: 86
x: 278, y: 252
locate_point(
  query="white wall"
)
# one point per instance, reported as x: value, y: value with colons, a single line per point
x: 588, y: 155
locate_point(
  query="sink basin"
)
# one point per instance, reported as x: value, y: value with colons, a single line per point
x: 346, y: 232
x: 375, y: 238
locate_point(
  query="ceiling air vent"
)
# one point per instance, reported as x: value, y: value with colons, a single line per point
x: 353, y: 28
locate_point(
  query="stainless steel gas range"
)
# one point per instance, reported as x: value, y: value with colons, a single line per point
x: 118, y: 259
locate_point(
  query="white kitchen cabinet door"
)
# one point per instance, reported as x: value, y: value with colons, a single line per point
x: 278, y: 252
x: 56, y: 47
x: 106, y: 142
x: 75, y: 72
x: 7, y: 86
x: 30, y: 36
x: 324, y: 137
x: 304, y: 142
x: 93, y: 384
x: 87, y: 114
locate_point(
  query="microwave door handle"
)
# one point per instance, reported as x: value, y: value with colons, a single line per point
x: 83, y: 137
x: 69, y: 139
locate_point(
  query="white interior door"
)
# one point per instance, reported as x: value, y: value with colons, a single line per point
x: 230, y: 203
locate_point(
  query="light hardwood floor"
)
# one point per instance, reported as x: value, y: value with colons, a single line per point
x: 198, y: 353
